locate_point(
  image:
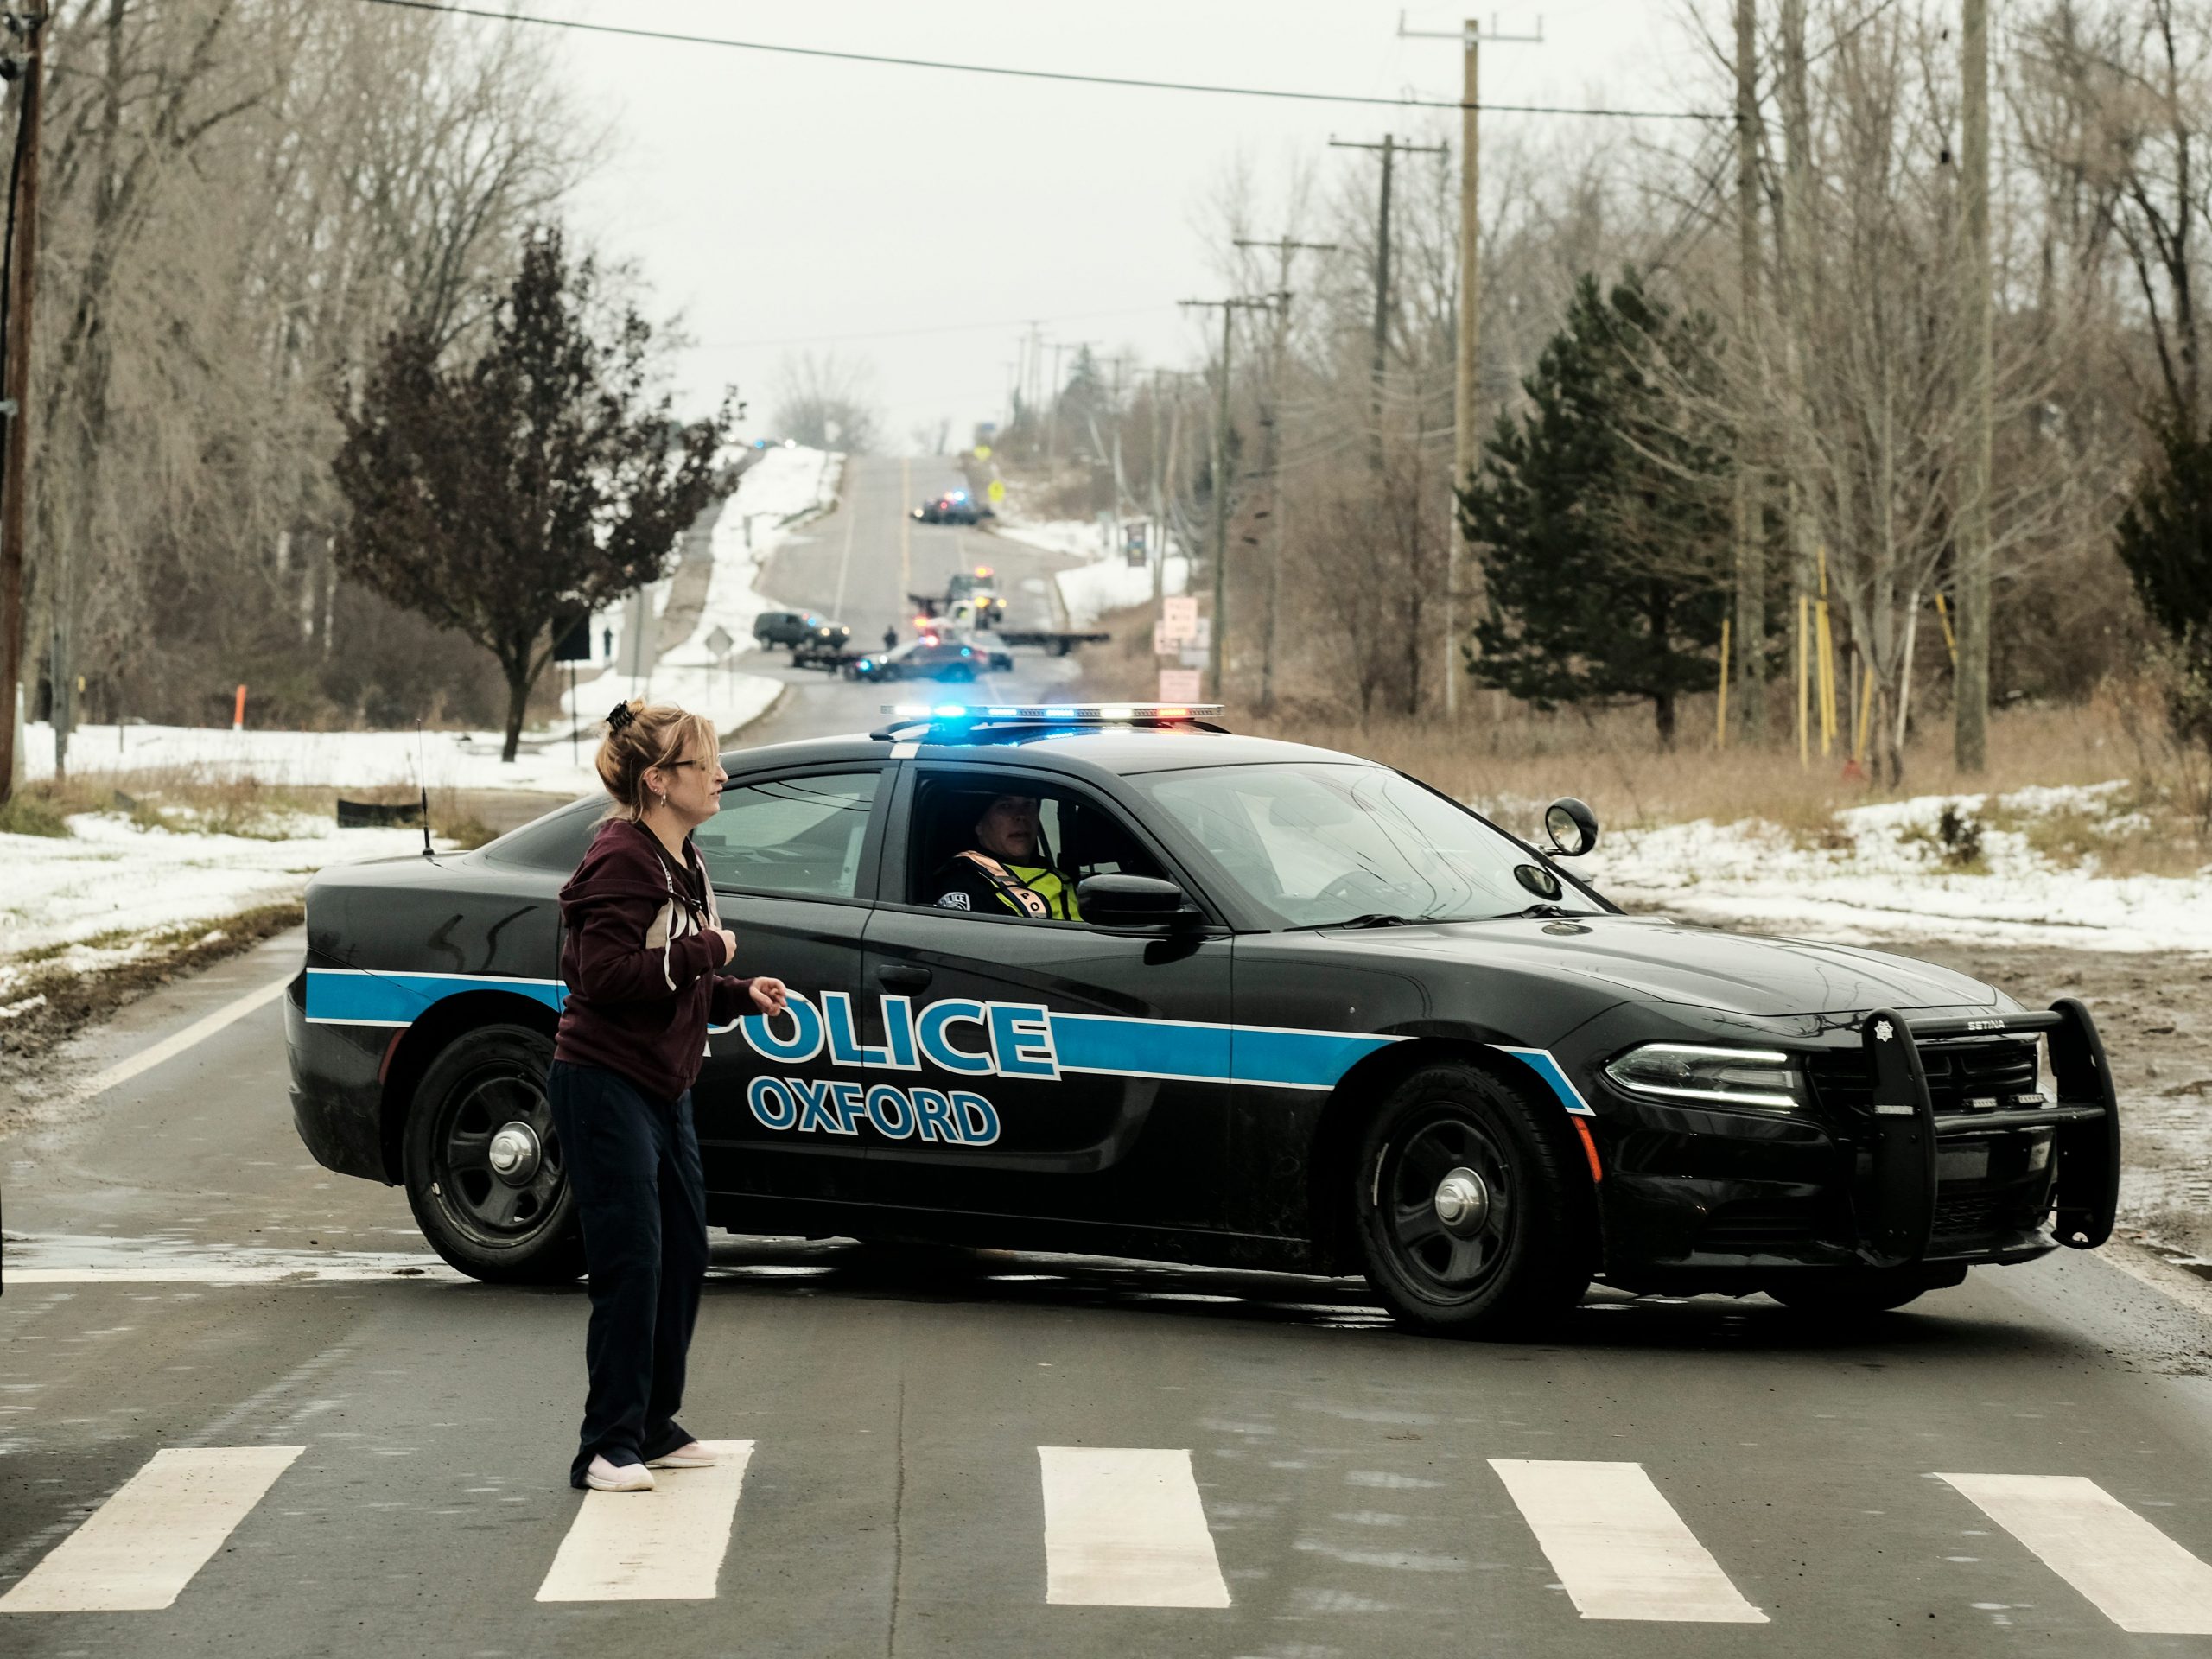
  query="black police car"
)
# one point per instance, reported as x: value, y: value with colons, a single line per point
x: 1317, y: 1016
x: 929, y: 658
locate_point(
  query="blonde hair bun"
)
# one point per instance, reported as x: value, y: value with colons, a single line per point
x: 639, y: 737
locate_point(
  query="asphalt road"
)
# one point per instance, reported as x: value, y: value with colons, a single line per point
x: 859, y: 564
x: 242, y: 1413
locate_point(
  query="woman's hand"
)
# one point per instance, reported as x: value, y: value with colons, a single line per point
x: 768, y: 996
x: 730, y: 945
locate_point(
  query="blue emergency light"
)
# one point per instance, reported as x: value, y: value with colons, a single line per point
x: 1085, y: 713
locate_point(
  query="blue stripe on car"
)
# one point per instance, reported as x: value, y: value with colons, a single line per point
x: 1112, y: 1045
x: 353, y: 997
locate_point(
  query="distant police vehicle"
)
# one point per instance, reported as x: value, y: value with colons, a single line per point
x: 929, y: 658
x: 953, y: 507
x: 1315, y: 1016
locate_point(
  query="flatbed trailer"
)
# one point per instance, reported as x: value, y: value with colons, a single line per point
x: 1057, y: 642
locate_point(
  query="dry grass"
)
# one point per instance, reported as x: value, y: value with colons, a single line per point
x: 195, y: 800
x: 1512, y: 757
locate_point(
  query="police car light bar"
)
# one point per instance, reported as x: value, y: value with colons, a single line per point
x: 1076, y: 713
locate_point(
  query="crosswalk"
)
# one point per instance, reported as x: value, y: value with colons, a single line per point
x: 1124, y: 1527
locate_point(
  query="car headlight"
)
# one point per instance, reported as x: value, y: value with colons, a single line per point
x: 1718, y: 1076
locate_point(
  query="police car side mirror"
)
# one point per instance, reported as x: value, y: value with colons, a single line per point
x: 1572, y: 826
x: 1132, y: 901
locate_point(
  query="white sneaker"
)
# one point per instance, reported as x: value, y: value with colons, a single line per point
x: 605, y: 1476
x: 690, y: 1455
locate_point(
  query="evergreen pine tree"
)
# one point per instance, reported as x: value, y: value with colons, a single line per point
x: 1602, y: 515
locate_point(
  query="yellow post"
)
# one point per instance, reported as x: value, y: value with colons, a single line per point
x: 1720, y: 715
x: 1951, y: 639
x: 1804, y: 682
x: 1864, y: 724
x: 1824, y: 642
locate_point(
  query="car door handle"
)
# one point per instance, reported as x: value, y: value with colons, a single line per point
x: 900, y: 976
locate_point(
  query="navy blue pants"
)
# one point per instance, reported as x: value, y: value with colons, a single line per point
x: 633, y: 1163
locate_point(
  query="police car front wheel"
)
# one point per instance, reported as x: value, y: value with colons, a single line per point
x: 483, y: 1164
x: 1463, y: 1207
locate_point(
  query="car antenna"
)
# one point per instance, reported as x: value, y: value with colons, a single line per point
x: 423, y: 788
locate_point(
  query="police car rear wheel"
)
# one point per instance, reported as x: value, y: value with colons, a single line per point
x: 483, y: 1162
x: 1463, y: 1210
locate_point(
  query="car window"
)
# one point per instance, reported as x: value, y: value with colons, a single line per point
x: 1079, y: 837
x: 1315, y: 844
x: 800, y: 837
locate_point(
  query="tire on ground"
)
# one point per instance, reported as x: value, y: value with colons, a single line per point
x: 1516, y: 1251
x: 492, y: 1227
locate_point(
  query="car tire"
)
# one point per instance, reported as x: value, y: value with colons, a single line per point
x: 1515, y: 1254
x: 1850, y: 1293
x: 518, y: 1228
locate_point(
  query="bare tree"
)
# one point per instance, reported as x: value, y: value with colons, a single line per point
x: 827, y: 401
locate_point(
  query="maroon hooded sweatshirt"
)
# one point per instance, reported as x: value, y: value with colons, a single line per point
x: 639, y: 956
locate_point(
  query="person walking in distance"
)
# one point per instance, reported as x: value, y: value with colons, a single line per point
x: 642, y: 955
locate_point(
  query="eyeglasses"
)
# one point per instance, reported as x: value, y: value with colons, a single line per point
x: 678, y: 765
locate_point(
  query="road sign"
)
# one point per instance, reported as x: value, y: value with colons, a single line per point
x: 1178, y: 619
x: 572, y: 638
x: 1179, y: 684
x: 982, y: 452
x: 997, y: 491
x: 719, y: 642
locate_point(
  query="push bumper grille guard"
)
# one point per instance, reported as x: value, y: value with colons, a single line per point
x: 1898, y: 1212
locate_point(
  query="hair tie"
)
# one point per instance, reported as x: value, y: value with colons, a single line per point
x: 621, y: 716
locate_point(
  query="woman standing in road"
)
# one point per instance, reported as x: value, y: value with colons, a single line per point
x: 642, y: 949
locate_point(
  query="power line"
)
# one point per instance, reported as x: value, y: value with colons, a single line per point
x: 674, y: 38
x: 909, y: 333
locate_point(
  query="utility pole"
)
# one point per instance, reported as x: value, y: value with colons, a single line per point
x: 1271, y: 449
x: 1053, y: 402
x: 1970, y: 735
x: 1750, y: 550
x: 1216, y: 648
x: 1466, y: 437
x: 22, y: 268
x: 1390, y: 148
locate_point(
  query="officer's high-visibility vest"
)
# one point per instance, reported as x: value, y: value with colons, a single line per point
x: 1034, y: 891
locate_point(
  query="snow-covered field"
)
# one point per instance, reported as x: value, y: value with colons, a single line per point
x: 1885, y: 872
x: 1106, y: 582
x: 95, y: 899
x: 1090, y: 591
x: 784, y: 485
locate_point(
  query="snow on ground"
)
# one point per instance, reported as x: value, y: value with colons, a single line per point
x: 1106, y: 582
x: 92, y: 900
x: 1885, y: 871
x: 784, y: 486
x: 1072, y: 538
x: 1089, y: 591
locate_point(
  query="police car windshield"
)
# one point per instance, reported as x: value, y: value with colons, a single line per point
x: 1331, y: 845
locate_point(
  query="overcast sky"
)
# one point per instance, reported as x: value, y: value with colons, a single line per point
x: 918, y: 218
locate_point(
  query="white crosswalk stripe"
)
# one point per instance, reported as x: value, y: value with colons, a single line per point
x: 2134, y: 1574
x: 1124, y: 1527
x: 1617, y: 1545
x: 143, y: 1545
x: 664, y: 1545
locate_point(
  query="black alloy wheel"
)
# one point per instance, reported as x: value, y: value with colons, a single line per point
x: 484, y: 1165
x: 1466, y: 1215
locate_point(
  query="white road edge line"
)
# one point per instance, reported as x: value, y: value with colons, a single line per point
x: 664, y: 1545
x: 2134, y: 1574
x: 177, y: 1042
x: 1124, y: 1527
x: 1617, y: 1545
x: 143, y: 1546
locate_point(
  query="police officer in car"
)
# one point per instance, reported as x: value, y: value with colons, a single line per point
x: 1006, y: 872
